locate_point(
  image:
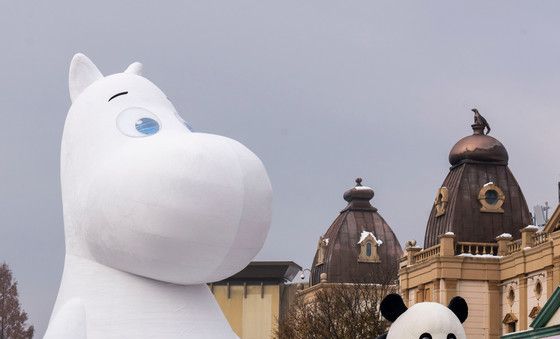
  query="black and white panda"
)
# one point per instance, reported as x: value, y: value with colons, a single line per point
x: 426, y: 320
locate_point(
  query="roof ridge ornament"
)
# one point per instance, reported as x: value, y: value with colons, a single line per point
x: 358, y: 181
x: 358, y: 197
x: 480, y: 124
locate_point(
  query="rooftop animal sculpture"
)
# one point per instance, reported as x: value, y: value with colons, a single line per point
x: 479, y: 120
x: 425, y: 320
x: 152, y: 212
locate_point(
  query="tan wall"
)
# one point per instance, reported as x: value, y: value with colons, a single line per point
x: 506, y: 308
x: 411, y: 297
x: 532, y: 298
x: 250, y: 315
x: 476, y: 295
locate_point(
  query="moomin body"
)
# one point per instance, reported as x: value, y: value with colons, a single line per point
x: 152, y: 212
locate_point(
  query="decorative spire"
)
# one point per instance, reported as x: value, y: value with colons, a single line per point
x: 359, y: 196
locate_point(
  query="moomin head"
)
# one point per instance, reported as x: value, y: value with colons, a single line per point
x: 145, y: 195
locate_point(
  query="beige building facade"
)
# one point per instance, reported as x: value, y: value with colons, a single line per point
x: 254, y: 299
x: 506, y: 282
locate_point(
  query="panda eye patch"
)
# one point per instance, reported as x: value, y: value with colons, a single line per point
x: 451, y: 336
x: 426, y: 336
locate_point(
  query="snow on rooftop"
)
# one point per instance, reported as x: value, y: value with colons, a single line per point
x: 365, y: 234
x: 504, y: 235
x: 488, y: 183
x: 359, y: 188
x: 479, y: 255
x: 532, y: 227
x: 449, y: 233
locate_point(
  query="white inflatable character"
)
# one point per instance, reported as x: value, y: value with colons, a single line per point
x: 152, y: 212
x: 426, y: 320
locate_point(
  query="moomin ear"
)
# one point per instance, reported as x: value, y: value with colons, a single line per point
x: 83, y: 73
x: 135, y: 68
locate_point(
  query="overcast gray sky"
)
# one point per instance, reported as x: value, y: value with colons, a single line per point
x: 323, y: 92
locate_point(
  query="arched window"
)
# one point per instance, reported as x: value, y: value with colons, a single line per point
x: 368, y: 250
x: 538, y: 289
x: 511, y: 297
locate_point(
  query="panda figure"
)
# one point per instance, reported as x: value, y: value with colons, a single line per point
x: 426, y: 320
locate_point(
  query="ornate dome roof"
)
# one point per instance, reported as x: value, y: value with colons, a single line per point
x: 343, y: 252
x: 480, y: 197
x: 478, y: 148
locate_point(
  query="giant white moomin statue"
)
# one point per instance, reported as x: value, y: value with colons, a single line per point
x: 152, y: 212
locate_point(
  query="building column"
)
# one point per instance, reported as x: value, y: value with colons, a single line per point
x: 435, y: 291
x: 420, y: 294
x: 522, y: 302
x: 555, y: 276
x: 449, y: 290
x: 406, y: 297
x: 549, y: 282
x: 494, y: 310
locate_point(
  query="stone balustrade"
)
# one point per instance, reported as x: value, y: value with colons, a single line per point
x: 426, y: 254
x: 476, y: 248
x: 504, y: 245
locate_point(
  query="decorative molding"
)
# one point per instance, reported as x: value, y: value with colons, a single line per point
x: 488, y: 207
x: 321, y: 249
x: 553, y: 223
x: 368, y: 248
x: 534, y: 312
x: 510, y: 296
x: 440, y: 202
x: 537, y: 290
x: 510, y: 318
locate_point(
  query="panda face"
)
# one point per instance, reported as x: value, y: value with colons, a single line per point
x: 427, y: 320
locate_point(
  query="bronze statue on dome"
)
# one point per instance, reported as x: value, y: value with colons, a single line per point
x: 479, y: 120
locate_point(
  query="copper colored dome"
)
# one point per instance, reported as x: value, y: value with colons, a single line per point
x: 341, y: 258
x: 477, y: 161
x: 478, y: 148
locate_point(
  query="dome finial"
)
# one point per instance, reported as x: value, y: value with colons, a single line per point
x: 358, y: 197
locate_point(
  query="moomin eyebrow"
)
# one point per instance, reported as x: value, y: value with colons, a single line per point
x: 116, y: 95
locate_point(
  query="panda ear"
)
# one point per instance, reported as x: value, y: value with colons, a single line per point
x: 392, y: 307
x: 459, y: 306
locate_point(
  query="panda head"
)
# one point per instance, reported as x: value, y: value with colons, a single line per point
x: 427, y: 320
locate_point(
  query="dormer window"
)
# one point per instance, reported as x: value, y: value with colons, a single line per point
x: 441, y: 201
x: 369, y: 245
x: 321, y: 249
x: 491, y: 198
